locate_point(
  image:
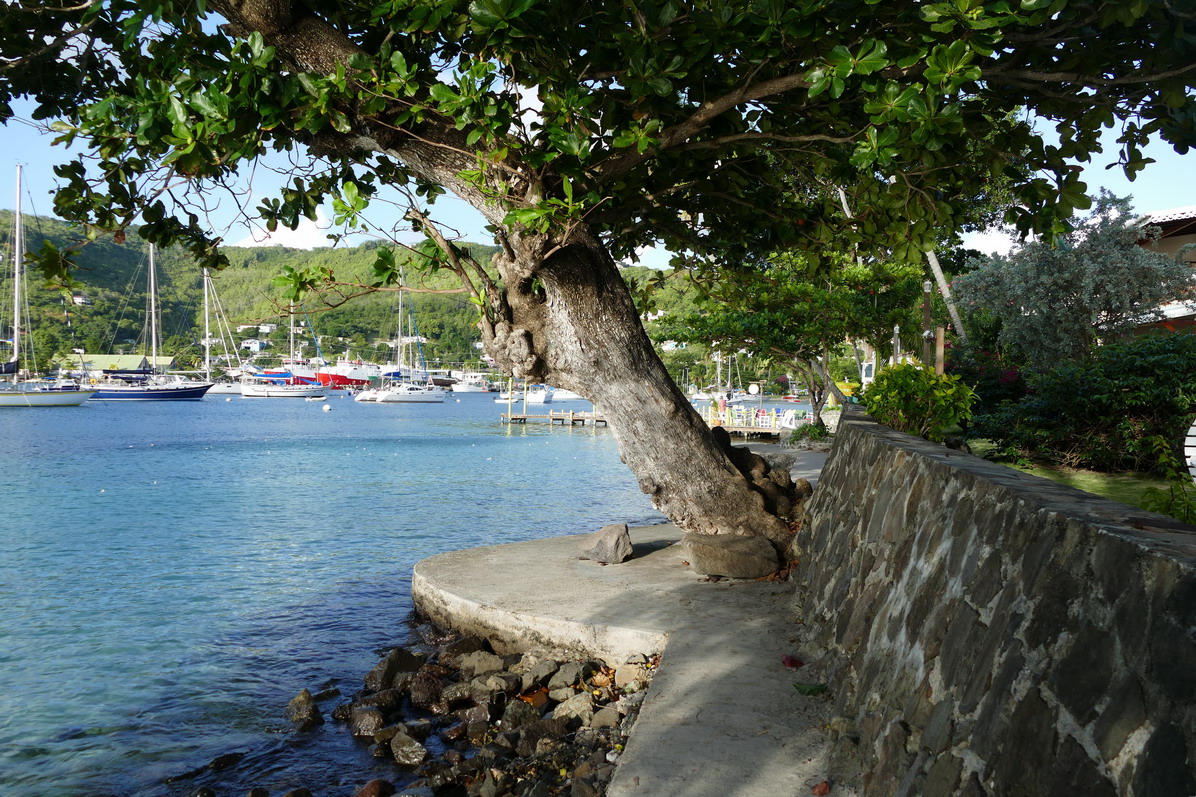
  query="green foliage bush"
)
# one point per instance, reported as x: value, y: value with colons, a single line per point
x: 1127, y: 408
x: 916, y: 400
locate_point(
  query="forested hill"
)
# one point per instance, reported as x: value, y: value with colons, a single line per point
x: 113, y: 279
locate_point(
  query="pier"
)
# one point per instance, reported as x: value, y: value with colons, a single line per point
x: 563, y: 417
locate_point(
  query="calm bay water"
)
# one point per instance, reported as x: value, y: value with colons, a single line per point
x: 171, y: 574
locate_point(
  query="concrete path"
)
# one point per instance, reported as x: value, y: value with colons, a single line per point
x: 722, y: 716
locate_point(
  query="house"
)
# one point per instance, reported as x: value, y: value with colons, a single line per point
x: 254, y: 345
x: 1177, y: 230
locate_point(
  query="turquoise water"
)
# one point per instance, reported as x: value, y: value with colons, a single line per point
x: 171, y: 574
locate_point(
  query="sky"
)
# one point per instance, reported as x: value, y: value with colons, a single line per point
x: 1168, y: 184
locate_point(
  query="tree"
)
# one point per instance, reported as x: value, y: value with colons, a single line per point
x: 1056, y: 301
x: 583, y: 131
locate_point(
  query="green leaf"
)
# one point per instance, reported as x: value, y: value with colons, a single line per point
x: 809, y: 690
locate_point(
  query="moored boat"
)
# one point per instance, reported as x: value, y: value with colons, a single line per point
x: 33, y: 393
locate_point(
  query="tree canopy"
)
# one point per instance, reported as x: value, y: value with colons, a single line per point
x: 583, y: 131
x: 662, y: 121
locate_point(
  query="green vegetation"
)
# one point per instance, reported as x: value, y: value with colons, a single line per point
x: 1134, y: 489
x: 1126, y: 407
x: 112, y: 281
x: 914, y: 399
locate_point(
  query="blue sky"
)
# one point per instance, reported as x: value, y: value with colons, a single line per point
x: 1167, y: 184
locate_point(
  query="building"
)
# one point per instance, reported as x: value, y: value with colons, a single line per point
x: 1177, y: 230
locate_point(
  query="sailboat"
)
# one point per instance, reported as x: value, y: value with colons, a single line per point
x: 404, y: 389
x: 282, y: 384
x: 62, y: 393
x: 210, y: 299
x: 148, y: 384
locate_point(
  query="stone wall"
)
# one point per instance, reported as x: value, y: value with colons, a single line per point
x: 987, y: 632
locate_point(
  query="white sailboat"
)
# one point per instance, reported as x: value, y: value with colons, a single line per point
x: 406, y: 390
x: 212, y: 301
x: 13, y: 393
x: 282, y: 385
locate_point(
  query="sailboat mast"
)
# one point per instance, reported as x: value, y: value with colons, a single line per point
x: 18, y: 256
x: 153, y: 310
x: 207, y: 330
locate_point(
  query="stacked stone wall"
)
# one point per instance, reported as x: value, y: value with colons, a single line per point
x: 987, y: 632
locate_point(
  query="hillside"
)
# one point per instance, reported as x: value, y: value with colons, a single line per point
x: 113, y: 279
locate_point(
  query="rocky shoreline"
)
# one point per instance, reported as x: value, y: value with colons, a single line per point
x: 460, y: 720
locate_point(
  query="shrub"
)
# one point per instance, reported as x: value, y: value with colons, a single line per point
x: 914, y: 399
x: 1106, y: 413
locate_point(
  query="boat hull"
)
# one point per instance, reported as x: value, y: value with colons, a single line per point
x: 44, y: 398
x: 181, y: 392
x: 266, y: 390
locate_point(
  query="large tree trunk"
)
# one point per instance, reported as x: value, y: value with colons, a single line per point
x: 571, y: 322
x: 565, y: 316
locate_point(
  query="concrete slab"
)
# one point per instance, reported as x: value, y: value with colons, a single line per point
x: 722, y: 716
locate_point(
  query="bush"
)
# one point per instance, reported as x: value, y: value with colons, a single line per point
x: 1107, y: 413
x: 916, y: 400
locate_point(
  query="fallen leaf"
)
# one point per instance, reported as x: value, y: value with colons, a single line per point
x: 792, y: 661
x: 809, y: 690
x: 821, y: 789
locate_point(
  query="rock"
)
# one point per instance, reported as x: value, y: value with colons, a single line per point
x: 562, y: 694
x: 457, y: 695
x: 480, y: 662
x: 628, y: 674
x: 425, y: 689
x: 407, y: 751
x: 606, y: 717
x: 532, y: 734
x: 570, y: 673
x: 366, y: 721
x: 803, y: 488
x: 506, y: 683
x: 386, y: 700
x: 376, y: 788
x: 730, y: 556
x: 610, y: 545
x: 258, y: 791
x: 389, y: 732
x: 518, y: 714
x: 396, y: 661
x: 539, y: 675
x: 474, y: 714
x: 451, y: 653
x: 419, y: 729
x: 303, y: 711
x: 581, y: 706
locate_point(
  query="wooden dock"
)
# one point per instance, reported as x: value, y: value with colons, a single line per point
x: 563, y: 418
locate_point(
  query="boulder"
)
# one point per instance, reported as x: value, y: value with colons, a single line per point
x: 729, y: 556
x: 366, y: 721
x: 396, y: 661
x: 581, y: 706
x: 426, y: 689
x: 303, y: 711
x: 407, y: 751
x: 519, y: 714
x: 610, y: 545
x: 479, y: 663
x: 376, y: 788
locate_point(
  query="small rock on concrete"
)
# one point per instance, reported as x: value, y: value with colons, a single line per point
x: 610, y: 545
x: 729, y: 556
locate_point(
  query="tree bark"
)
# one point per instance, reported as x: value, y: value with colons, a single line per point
x: 571, y: 322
